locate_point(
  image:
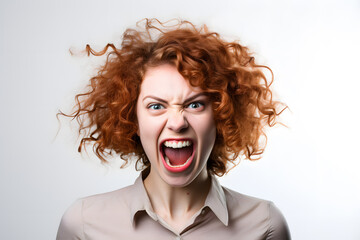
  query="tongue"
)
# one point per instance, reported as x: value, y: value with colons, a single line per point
x: 178, y: 156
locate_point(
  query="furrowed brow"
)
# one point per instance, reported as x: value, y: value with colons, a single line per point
x: 194, y: 97
x: 156, y: 98
x: 186, y: 101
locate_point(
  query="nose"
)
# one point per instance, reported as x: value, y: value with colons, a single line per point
x: 177, y: 121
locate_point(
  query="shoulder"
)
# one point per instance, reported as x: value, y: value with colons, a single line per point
x: 101, y: 203
x: 71, y: 226
x: 278, y: 228
x: 100, y: 208
x: 260, y: 215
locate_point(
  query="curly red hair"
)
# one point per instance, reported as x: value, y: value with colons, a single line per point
x: 237, y: 87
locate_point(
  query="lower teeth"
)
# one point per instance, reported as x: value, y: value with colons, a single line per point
x: 168, y: 162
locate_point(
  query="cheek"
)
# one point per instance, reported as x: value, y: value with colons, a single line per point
x: 149, y: 132
x: 209, y: 131
x: 205, y: 129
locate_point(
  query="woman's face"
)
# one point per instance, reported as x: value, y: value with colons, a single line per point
x: 176, y: 126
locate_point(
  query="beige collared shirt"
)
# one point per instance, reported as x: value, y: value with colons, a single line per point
x: 127, y: 214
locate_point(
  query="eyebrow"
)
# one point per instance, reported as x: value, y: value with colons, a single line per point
x: 186, y: 101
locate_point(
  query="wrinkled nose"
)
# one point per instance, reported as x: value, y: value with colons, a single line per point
x: 177, y: 121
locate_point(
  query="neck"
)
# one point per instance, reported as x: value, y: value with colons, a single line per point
x: 176, y: 205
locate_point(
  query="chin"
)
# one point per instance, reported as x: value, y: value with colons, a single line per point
x: 182, y: 179
x: 178, y: 181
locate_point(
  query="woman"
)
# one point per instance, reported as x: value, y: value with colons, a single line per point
x: 185, y: 104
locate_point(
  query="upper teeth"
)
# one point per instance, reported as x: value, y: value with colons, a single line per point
x: 177, y: 144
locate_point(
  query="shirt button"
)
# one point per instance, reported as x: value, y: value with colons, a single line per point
x: 178, y: 238
x: 203, y: 211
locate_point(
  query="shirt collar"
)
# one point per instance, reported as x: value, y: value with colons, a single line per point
x: 216, y: 201
x: 140, y: 201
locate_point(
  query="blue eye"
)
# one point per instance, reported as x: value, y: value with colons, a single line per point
x: 195, y: 105
x: 155, y: 106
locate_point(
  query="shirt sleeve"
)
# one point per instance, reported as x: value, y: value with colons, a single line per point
x: 71, y: 225
x: 278, y: 228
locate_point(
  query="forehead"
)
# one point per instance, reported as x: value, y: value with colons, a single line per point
x: 166, y: 81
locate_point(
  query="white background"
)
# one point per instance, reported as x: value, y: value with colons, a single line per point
x: 310, y: 169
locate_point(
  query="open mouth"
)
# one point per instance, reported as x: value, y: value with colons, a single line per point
x: 177, y: 155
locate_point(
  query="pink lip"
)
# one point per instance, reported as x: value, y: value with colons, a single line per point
x: 177, y: 169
